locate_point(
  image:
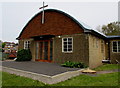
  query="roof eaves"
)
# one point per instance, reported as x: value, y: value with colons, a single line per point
x: 113, y: 37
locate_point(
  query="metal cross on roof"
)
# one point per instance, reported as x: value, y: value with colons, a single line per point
x: 43, y: 12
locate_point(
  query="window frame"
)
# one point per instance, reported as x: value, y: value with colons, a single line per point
x: 117, y: 47
x: 27, y: 42
x: 67, y: 45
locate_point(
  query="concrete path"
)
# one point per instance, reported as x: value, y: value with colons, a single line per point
x: 102, y: 72
x: 45, y: 68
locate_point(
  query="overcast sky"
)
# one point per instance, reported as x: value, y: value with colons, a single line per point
x: 15, y: 15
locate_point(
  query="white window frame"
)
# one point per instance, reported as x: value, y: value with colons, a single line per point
x: 117, y: 47
x: 26, y: 44
x: 67, y: 46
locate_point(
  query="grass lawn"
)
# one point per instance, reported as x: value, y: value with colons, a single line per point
x: 110, y: 79
x: 107, y: 67
x: 85, y: 80
x: 13, y: 80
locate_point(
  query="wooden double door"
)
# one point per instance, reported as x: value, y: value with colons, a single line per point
x: 44, y: 50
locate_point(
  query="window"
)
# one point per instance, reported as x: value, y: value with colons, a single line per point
x: 67, y: 45
x: 26, y: 44
x: 116, y: 46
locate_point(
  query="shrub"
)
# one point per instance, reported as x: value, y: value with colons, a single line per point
x: 24, y: 55
x: 74, y: 64
x: 4, y: 56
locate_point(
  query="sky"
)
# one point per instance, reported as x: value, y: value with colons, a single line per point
x: 15, y: 15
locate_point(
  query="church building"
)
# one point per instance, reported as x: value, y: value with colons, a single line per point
x: 61, y: 38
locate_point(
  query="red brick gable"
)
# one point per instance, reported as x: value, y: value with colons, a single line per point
x: 56, y: 23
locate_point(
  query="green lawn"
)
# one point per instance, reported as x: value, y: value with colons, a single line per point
x: 107, y: 67
x: 85, y: 80
x: 13, y: 80
x: 82, y: 80
x: 110, y: 79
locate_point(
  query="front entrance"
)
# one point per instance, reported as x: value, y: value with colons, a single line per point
x: 44, y: 50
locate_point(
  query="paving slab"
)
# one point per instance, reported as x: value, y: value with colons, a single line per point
x: 49, y: 73
x: 45, y: 68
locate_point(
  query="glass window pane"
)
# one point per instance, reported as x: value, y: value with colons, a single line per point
x: 45, y: 50
x: 118, y: 43
x: 114, y: 50
x: 69, y: 42
x: 118, y: 46
x: 69, y: 46
x: 69, y: 39
x: 114, y: 46
x: 65, y: 42
x: 65, y: 50
x: 69, y: 49
x: 51, y: 49
x: 28, y: 46
x: 65, y: 39
x: 114, y: 43
x: 65, y: 46
x: 118, y: 49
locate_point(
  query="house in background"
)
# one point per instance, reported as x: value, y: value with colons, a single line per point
x: 10, y: 49
x: 62, y: 38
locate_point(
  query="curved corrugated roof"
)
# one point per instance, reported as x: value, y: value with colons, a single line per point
x: 84, y: 26
x: 81, y: 24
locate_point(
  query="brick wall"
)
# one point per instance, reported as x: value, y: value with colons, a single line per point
x: 96, y: 55
x: 80, y: 49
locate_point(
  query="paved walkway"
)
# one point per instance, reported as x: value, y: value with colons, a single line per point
x: 45, y: 68
x: 102, y: 72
